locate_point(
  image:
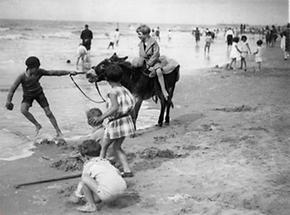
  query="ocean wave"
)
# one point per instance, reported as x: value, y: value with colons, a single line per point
x: 64, y: 35
x: 2, y: 29
x: 12, y: 37
x: 27, y: 29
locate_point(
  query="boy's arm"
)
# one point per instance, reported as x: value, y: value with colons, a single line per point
x: 156, y: 54
x: 77, y: 62
x: 13, y: 89
x: 58, y: 72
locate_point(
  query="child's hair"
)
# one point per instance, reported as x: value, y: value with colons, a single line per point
x: 90, y: 148
x: 236, y: 39
x: 114, y: 73
x: 144, y: 29
x: 259, y: 42
x: 93, y: 112
x: 244, y: 38
x: 32, y: 62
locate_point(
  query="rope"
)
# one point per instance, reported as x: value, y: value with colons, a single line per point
x: 86, y: 94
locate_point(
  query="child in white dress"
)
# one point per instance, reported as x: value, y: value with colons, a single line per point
x: 235, y: 52
x: 245, y: 50
x: 258, y: 54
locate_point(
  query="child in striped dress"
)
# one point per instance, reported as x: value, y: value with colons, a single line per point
x: 120, y: 124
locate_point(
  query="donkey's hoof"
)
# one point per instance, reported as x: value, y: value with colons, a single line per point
x: 159, y: 124
x: 166, y: 123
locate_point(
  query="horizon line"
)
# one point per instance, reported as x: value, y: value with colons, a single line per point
x: 125, y: 22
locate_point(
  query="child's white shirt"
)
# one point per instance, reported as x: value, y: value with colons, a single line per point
x: 109, y: 179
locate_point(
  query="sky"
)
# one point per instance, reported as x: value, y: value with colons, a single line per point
x: 151, y: 11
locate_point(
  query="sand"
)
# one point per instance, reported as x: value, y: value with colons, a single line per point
x: 225, y: 152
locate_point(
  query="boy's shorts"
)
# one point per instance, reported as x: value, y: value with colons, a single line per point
x: 40, y: 98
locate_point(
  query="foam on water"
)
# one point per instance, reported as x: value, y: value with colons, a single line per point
x: 14, y: 146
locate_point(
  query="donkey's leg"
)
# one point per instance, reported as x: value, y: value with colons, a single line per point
x: 162, y: 110
x: 136, y: 110
x: 167, y: 116
x: 169, y: 104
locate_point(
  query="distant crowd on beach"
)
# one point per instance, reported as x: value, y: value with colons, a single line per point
x: 238, y: 48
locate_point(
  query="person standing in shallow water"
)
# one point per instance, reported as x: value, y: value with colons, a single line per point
x: 87, y: 36
x: 32, y: 90
x: 197, y: 36
x: 287, y: 41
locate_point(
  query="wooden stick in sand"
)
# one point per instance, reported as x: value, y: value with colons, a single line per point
x: 48, y: 180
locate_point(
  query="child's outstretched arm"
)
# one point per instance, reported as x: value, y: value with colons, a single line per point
x: 11, y: 92
x: 59, y: 72
x: 77, y: 62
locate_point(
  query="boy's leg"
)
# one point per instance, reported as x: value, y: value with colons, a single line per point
x: 162, y: 83
x: 52, y: 119
x: 121, y: 154
x: 25, y: 111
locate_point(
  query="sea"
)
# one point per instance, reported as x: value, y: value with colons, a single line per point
x: 55, y: 43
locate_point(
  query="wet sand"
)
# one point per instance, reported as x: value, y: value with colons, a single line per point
x: 225, y: 152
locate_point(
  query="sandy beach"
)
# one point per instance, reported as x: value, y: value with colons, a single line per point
x: 225, y: 152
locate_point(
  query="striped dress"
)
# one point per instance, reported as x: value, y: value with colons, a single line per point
x: 120, y: 123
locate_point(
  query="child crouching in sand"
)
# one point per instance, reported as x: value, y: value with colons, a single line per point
x: 100, y: 181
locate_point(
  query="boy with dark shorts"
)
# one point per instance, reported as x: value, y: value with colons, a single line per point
x: 32, y: 90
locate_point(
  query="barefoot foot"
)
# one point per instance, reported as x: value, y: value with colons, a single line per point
x: 59, y: 135
x: 37, y: 129
x: 88, y: 208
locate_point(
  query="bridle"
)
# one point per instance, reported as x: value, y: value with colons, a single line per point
x: 98, y: 90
